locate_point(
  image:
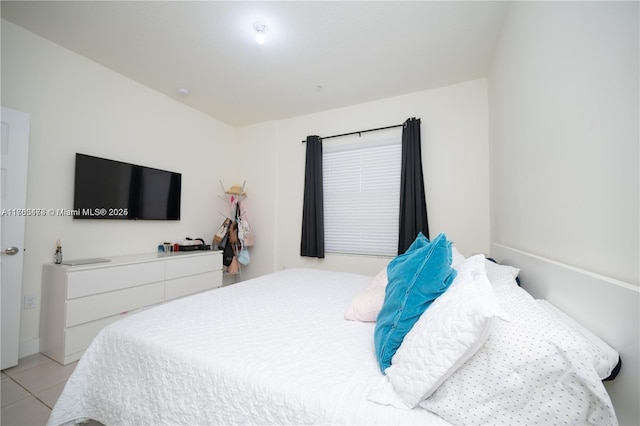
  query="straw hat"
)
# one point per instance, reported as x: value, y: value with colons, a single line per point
x: 235, y: 190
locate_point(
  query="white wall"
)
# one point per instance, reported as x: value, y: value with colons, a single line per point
x: 455, y: 163
x: 78, y: 106
x: 564, y: 134
x: 257, y: 149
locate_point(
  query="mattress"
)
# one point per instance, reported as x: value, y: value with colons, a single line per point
x: 273, y: 350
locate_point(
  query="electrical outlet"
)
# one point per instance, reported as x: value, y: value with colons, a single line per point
x: 30, y: 302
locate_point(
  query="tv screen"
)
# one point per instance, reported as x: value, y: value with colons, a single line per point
x: 109, y: 189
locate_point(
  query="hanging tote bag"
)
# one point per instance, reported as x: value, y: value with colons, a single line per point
x: 233, y: 267
x: 243, y: 256
x: 233, y: 233
x: 249, y: 237
x: 227, y: 254
x: 221, y: 233
x: 245, y: 232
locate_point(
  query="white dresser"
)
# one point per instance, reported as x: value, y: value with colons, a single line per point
x: 78, y: 301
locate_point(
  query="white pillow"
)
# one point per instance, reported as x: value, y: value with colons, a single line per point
x: 366, y: 305
x: 605, y: 358
x: 448, y: 333
x: 456, y: 257
x: 368, y: 302
x: 501, y: 274
x: 531, y: 370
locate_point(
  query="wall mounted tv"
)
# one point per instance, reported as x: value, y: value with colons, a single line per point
x: 109, y: 189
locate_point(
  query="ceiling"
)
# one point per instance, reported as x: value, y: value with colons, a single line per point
x: 319, y: 55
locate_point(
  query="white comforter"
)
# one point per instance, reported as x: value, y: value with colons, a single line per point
x: 276, y: 350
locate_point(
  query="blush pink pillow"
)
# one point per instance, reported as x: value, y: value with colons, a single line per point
x: 367, y: 304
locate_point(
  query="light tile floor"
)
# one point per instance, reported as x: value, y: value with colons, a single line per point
x: 31, y: 389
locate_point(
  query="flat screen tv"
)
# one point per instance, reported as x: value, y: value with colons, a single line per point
x: 109, y: 189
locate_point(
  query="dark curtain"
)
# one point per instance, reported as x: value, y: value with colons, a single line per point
x: 413, y: 204
x: 312, y: 243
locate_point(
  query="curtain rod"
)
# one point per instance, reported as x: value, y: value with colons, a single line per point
x: 360, y: 131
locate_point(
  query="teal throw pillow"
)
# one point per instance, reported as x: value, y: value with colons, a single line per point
x: 416, y: 279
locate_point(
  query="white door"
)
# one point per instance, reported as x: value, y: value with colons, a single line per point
x: 13, y: 199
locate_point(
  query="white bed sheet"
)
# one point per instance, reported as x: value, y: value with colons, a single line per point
x: 274, y: 350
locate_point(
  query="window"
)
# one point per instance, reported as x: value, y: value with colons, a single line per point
x: 362, y: 197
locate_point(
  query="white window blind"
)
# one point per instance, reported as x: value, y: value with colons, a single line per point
x: 362, y: 197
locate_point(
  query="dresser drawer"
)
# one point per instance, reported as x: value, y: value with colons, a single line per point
x: 78, y: 301
x: 100, y: 280
x: 192, y: 284
x: 98, y: 306
x: 192, y: 265
x: 79, y: 337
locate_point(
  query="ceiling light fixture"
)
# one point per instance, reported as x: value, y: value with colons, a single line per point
x: 183, y: 92
x: 261, y: 30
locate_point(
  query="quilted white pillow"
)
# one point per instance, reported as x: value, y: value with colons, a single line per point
x: 449, y: 332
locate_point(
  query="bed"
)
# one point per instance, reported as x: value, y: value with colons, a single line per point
x: 278, y: 350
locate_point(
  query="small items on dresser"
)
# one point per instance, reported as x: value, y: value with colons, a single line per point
x: 188, y: 244
x: 57, y: 256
